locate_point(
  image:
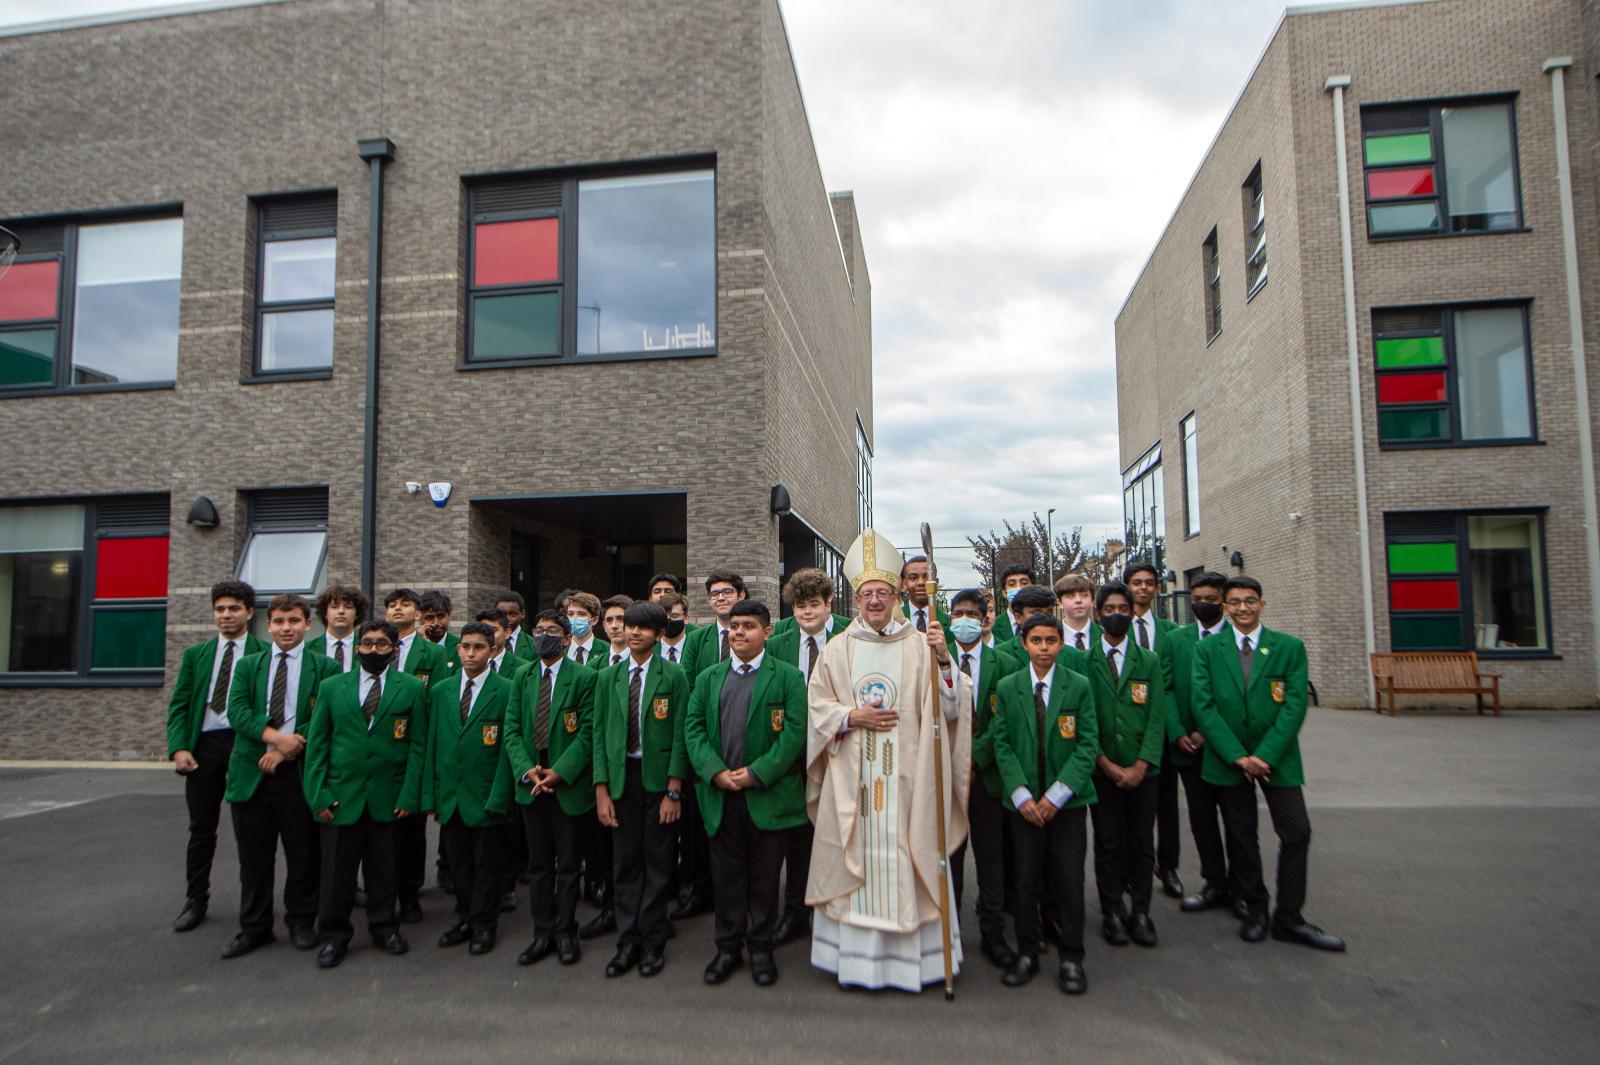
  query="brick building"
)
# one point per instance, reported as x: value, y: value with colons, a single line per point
x: 1471, y: 287
x: 619, y: 311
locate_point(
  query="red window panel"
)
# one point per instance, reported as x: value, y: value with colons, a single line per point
x: 516, y: 253
x: 28, y: 290
x: 1425, y: 595
x: 1390, y: 184
x: 131, y: 568
x: 1411, y: 388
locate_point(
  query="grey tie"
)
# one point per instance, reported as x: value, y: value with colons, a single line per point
x: 338, y: 654
x: 219, y: 692
x: 966, y: 662
x: 1244, y: 660
x: 811, y: 655
x: 1111, y: 660
x: 672, y: 653
x: 369, y: 705
x: 1080, y: 641
x: 541, y: 716
x: 723, y: 655
x: 1144, y: 639
x: 922, y: 621
x: 466, y: 701
x: 577, y: 656
x: 1039, y: 712
x: 280, y: 691
x: 634, y: 709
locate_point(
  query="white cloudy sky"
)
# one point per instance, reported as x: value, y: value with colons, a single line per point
x: 1013, y: 165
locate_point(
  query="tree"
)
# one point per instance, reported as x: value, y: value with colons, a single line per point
x: 1027, y: 544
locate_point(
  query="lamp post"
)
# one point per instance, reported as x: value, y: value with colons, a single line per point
x: 1050, y: 547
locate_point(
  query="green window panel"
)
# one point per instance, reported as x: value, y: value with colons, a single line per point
x: 510, y: 327
x: 1425, y: 634
x: 130, y: 639
x: 1401, y: 426
x: 1422, y: 217
x: 1395, y: 148
x: 28, y: 357
x: 1400, y: 352
x: 1422, y: 558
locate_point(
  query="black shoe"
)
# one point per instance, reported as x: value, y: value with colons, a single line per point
x: 626, y: 958
x: 1210, y: 897
x: 1171, y: 886
x: 359, y: 899
x: 304, y: 937
x: 604, y: 924
x: 795, y: 924
x: 1023, y: 969
x: 536, y: 951
x: 1142, y: 930
x: 690, y: 905
x: 245, y: 942
x: 722, y: 966
x: 1298, y: 932
x: 331, y: 955
x: 1114, y: 930
x: 393, y: 943
x: 567, y: 952
x: 411, y: 913
x: 763, y: 969
x: 1071, y: 978
x: 508, y: 902
x: 482, y: 942
x: 652, y: 960
x: 455, y: 935
x: 1253, y: 929
x: 194, y: 911
x: 999, y: 952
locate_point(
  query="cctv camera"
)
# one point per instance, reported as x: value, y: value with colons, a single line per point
x: 413, y: 487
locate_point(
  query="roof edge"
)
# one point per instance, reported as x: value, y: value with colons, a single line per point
x: 138, y: 14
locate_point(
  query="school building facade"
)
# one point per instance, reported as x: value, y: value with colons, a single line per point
x: 288, y: 265
x: 1360, y: 363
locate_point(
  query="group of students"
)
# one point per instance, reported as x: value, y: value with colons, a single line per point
x: 616, y: 751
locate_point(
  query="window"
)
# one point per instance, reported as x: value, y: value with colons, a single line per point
x: 1142, y: 507
x: 83, y: 590
x: 863, y: 479
x: 1191, y: 476
x: 115, y: 284
x: 1440, y: 169
x: 1211, y: 267
x: 1453, y: 375
x: 286, y: 550
x: 1467, y: 581
x: 584, y: 267
x: 1255, y: 227
x: 295, y: 284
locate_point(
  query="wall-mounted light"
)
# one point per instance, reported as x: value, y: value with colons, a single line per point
x: 780, y: 500
x: 1236, y: 560
x: 203, y: 514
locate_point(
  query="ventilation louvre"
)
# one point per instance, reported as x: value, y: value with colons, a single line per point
x: 294, y: 214
x: 523, y: 194
x: 297, y: 507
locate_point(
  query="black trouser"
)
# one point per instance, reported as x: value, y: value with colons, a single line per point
x: 1287, y: 807
x: 595, y: 841
x: 1169, y: 836
x: 368, y: 845
x: 477, y: 866
x: 1204, y: 823
x: 797, y: 867
x: 277, y: 811
x: 745, y: 864
x: 203, y: 789
x: 410, y: 859
x: 641, y: 862
x: 694, y: 854
x: 1124, y: 842
x: 986, y: 817
x: 1048, y: 863
x: 552, y: 842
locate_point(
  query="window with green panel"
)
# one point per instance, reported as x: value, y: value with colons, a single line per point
x: 1442, y: 168
x: 1446, y: 376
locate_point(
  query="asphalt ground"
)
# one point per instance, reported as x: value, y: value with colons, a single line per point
x: 1456, y: 854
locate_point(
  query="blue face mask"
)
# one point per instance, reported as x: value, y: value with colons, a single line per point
x: 966, y: 630
x: 580, y: 627
x: 1011, y: 593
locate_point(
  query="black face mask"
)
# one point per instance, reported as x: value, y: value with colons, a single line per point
x: 1207, y: 614
x: 374, y: 662
x: 547, y: 646
x: 674, y: 628
x: 1116, y: 625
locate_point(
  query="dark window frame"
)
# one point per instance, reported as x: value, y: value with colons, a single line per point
x: 567, y: 259
x: 66, y: 297
x: 1255, y: 230
x: 1452, y: 402
x: 1211, y: 276
x: 255, y: 524
x: 261, y: 307
x: 1434, y: 128
x: 1191, y: 522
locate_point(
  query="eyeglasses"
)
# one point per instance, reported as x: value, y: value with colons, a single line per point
x: 877, y: 597
x: 375, y: 645
x: 722, y: 593
x: 551, y: 630
x: 1252, y: 601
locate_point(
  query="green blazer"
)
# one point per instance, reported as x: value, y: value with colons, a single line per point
x: 701, y: 650
x: 451, y: 660
x: 1163, y: 629
x: 782, y: 625
x: 463, y: 761
x: 993, y: 666
x: 319, y: 645
x: 247, y: 713
x: 186, y: 710
x: 785, y: 645
x: 602, y: 661
x: 601, y: 648
x: 1177, y: 650
x: 666, y: 701
x: 511, y: 667
x: 1131, y: 711
x: 524, y: 646
x: 1262, y: 720
x: 1070, y: 656
x: 355, y: 769
x: 938, y: 612
x: 1068, y: 758
x: 571, y: 752
x: 426, y: 660
x: 1002, y: 630
x: 774, y: 740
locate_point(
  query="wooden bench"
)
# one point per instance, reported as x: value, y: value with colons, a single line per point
x: 1430, y: 672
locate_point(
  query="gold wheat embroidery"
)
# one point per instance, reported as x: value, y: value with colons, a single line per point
x: 872, y: 746
x: 877, y: 796
x: 888, y: 758
x: 862, y: 805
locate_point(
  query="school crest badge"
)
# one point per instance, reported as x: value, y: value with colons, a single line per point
x: 1140, y: 691
x: 659, y: 709
x: 422, y: 675
x: 1277, y: 691
x: 491, y: 735
x: 777, y: 719
x: 1067, y: 726
x: 994, y: 704
x: 569, y: 721
x: 400, y: 724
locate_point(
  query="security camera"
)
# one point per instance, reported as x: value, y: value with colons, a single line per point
x: 413, y: 488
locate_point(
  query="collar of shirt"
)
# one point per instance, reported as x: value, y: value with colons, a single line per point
x: 364, y: 685
x: 1119, y: 650
x: 1049, y: 681
x: 643, y: 667
x: 678, y: 643
x: 553, y: 668
x: 477, y: 684
x: 1254, y: 635
x: 329, y: 639
x: 1149, y: 618
x: 293, y: 653
x: 1072, y: 634
x: 1211, y: 632
x: 739, y: 663
x: 498, y: 661
x: 405, y: 649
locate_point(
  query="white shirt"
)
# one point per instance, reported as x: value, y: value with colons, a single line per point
x: 364, y: 686
x: 669, y: 646
x: 512, y: 637
x: 1119, y: 652
x: 405, y: 650
x: 214, y: 721
x: 821, y: 636
x: 586, y: 645
x: 1149, y: 618
x: 1254, y: 635
x: 498, y: 662
x: 976, y: 665
x: 617, y: 656
x: 1072, y: 635
x: 1058, y: 794
x: 737, y: 664
x: 349, y: 648
x: 644, y: 679
x: 918, y: 612
x: 554, y: 669
x: 477, y: 688
x: 291, y: 694
x: 1204, y: 632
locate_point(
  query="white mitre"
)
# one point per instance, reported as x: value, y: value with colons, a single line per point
x: 865, y: 560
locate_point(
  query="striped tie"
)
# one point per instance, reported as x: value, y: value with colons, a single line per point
x: 280, y: 691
